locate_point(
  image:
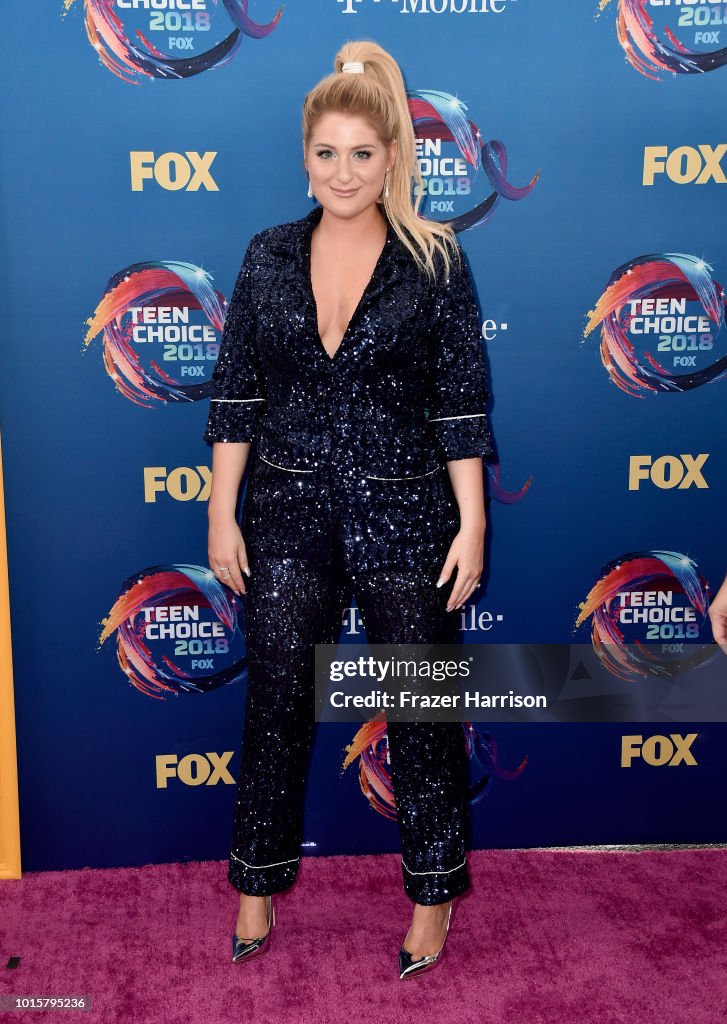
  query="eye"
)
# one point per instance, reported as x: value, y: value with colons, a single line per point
x: 322, y: 153
x: 364, y: 153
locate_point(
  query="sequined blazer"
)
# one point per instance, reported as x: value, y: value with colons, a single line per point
x: 405, y: 392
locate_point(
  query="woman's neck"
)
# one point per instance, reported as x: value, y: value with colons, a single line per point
x: 346, y: 231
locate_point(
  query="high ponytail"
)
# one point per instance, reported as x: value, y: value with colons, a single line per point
x: 379, y: 95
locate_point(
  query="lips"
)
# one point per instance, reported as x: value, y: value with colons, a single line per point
x: 340, y: 192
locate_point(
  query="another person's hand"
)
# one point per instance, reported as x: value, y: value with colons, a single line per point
x: 227, y: 553
x: 718, y: 616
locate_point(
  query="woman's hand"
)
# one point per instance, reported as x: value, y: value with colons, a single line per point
x: 467, y: 549
x: 717, y: 612
x: 467, y: 554
x: 225, y: 546
x: 227, y: 552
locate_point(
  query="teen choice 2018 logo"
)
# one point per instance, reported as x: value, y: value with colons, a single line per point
x: 138, y: 40
x: 370, y: 746
x: 464, y: 176
x: 178, y: 630
x: 662, y: 319
x: 652, y: 598
x: 159, y: 321
x: 682, y: 38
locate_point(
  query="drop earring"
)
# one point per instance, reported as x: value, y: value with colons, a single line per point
x: 310, y: 190
x: 386, y: 184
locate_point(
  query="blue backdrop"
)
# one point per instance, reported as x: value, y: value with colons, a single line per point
x: 601, y: 183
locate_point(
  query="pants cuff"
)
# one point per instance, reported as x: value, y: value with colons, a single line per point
x: 431, y: 887
x: 261, y: 879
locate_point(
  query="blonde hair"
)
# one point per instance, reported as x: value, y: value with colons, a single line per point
x: 379, y: 95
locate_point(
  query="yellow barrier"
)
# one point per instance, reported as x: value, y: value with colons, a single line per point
x: 9, y: 816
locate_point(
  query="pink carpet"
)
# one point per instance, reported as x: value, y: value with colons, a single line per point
x: 543, y: 937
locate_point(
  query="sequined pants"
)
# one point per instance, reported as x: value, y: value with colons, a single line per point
x: 295, y: 599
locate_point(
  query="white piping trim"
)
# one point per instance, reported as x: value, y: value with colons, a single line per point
x: 466, y: 416
x: 273, y: 865
x: 284, y: 467
x: 237, y: 399
x: 417, y: 477
x: 434, y: 872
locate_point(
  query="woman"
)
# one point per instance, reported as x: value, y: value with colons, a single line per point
x: 345, y: 328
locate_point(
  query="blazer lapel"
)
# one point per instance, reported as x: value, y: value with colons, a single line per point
x: 293, y: 240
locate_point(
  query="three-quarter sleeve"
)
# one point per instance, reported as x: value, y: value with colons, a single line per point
x: 459, y: 387
x: 238, y: 395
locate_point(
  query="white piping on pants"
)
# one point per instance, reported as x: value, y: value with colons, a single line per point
x: 434, y: 872
x: 275, y: 864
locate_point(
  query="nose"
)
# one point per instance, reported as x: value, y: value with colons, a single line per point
x: 344, y: 171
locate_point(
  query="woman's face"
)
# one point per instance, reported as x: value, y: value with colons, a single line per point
x: 347, y: 162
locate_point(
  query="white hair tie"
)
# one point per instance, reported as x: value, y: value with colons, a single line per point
x: 354, y: 66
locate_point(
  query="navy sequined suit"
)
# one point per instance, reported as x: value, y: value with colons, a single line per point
x: 348, y: 495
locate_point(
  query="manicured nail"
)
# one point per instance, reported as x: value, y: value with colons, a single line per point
x: 439, y: 584
x: 246, y: 570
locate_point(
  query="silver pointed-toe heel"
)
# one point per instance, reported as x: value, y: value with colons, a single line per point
x: 409, y: 967
x: 246, y: 949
